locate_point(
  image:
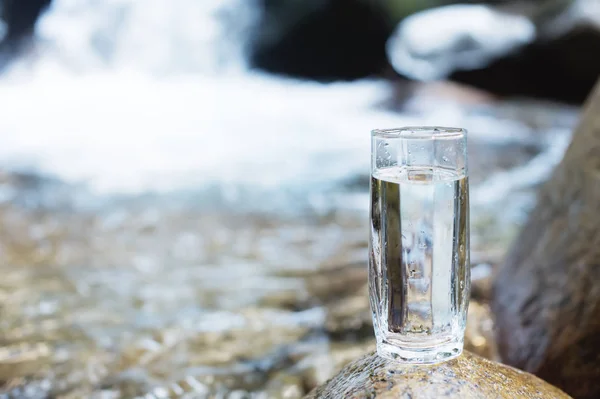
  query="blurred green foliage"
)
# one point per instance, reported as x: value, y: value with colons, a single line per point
x: 399, y: 9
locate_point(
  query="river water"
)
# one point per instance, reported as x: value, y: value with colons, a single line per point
x: 174, y: 223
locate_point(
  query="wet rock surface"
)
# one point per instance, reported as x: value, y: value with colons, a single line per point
x: 468, y: 376
x: 141, y: 299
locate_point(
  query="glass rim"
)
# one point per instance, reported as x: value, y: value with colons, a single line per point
x: 420, y: 132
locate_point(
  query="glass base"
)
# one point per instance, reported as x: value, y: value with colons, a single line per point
x: 420, y: 355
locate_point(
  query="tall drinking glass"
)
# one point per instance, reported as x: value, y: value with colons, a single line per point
x: 419, y: 277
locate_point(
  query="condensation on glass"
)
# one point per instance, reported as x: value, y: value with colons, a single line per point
x: 419, y: 278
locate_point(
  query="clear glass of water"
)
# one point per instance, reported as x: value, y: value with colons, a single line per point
x: 419, y: 276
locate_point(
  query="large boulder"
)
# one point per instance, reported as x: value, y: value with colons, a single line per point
x: 321, y: 39
x: 17, y: 20
x: 562, y: 68
x: 545, y: 297
x: 544, y: 49
x: 466, y: 377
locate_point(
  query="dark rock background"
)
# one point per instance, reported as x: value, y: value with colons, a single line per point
x: 19, y: 17
x: 563, y: 69
x: 336, y: 39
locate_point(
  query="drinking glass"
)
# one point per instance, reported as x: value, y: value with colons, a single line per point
x: 419, y: 276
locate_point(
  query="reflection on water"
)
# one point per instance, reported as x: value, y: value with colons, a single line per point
x: 143, y: 297
x: 206, y: 232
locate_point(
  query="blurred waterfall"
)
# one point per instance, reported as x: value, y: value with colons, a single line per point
x: 155, y: 36
x: 130, y: 96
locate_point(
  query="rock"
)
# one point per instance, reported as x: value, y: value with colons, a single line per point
x: 534, y: 70
x: 337, y: 282
x: 481, y: 282
x: 284, y: 386
x: 17, y: 20
x: 479, y: 334
x: 510, y: 48
x: 425, y: 46
x: 350, y: 319
x: 545, y: 298
x: 467, y: 376
x: 322, y: 40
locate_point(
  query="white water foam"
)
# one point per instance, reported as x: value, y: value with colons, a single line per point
x: 128, y: 132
